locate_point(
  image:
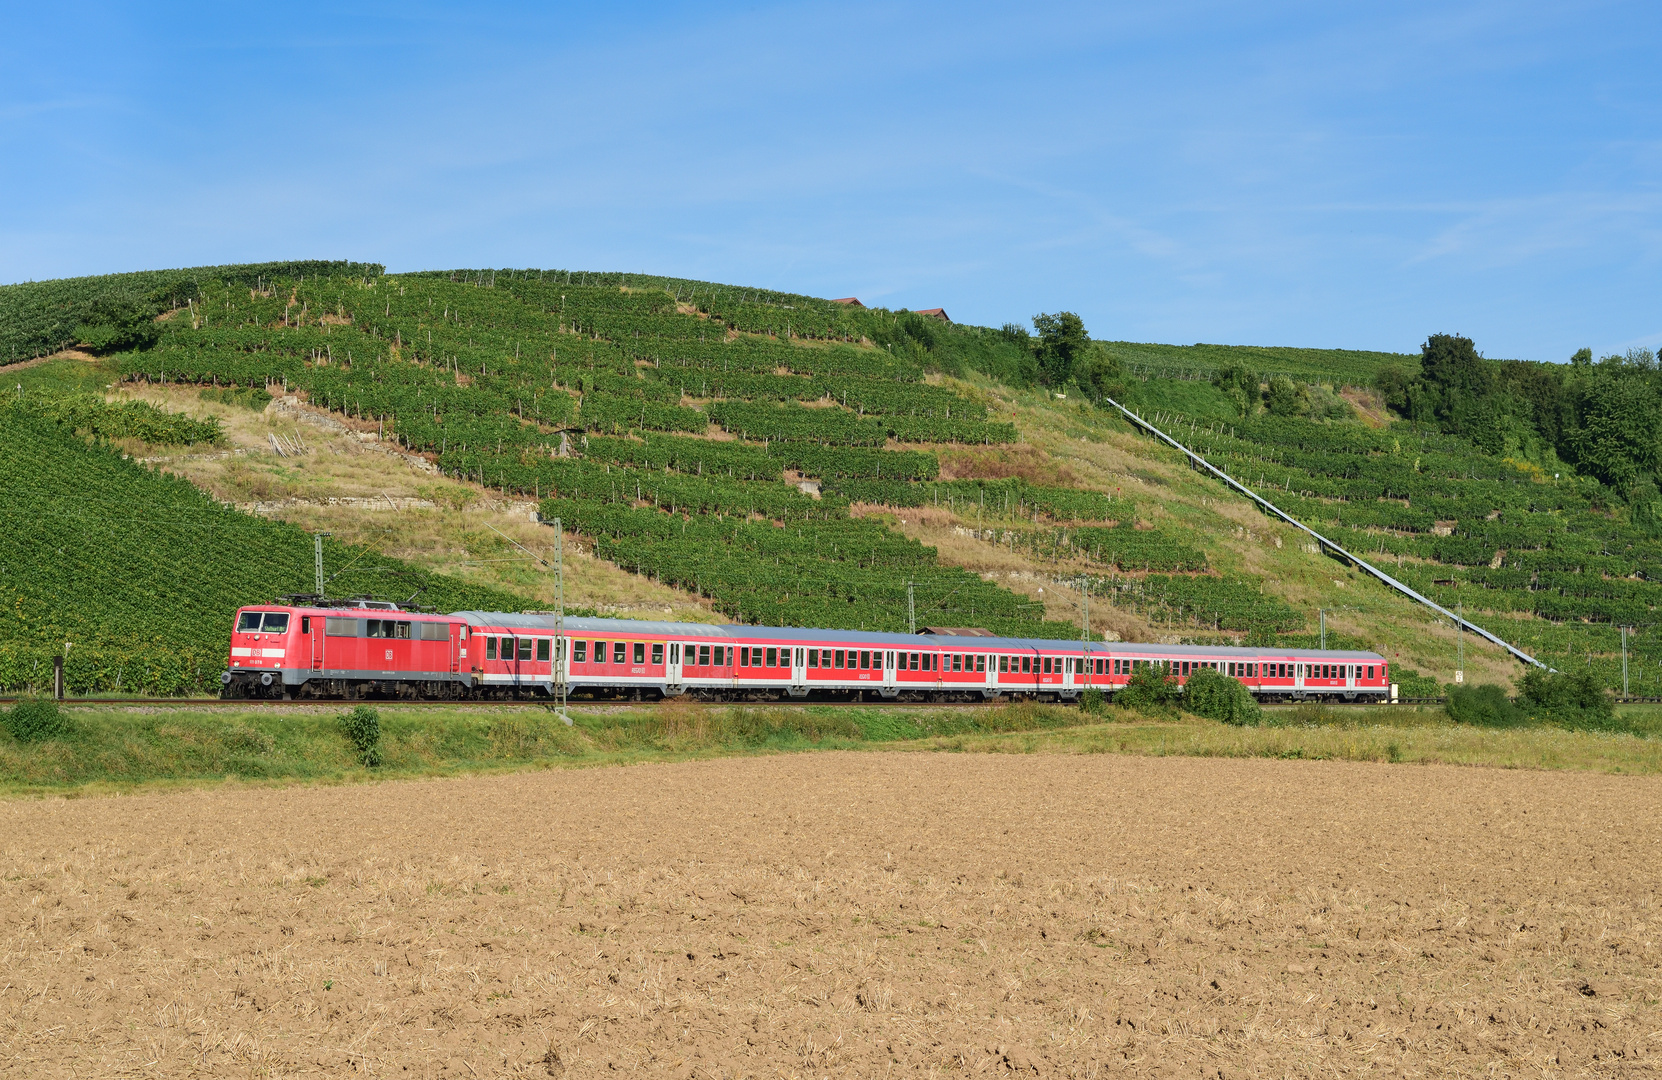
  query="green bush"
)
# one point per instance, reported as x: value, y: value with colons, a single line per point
x: 362, y: 727
x: 1093, y: 702
x: 1571, y: 700
x: 1219, y: 697
x: 37, y: 719
x: 1151, y: 689
x: 1485, y: 705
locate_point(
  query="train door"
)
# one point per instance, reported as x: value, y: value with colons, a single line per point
x: 889, y: 667
x: 1298, y: 677
x: 510, y: 654
x: 672, y: 668
x: 314, y: 624
x: 799, y: 668
x: 1350, y: 679
x: 992, y: 672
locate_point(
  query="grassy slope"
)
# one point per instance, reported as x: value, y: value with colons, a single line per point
x: 114, y: 748
x: 1063, y: 443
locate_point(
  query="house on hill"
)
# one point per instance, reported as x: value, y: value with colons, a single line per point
x: 933, y: 313
x: 851, y: 301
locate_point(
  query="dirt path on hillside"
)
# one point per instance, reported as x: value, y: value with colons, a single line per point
x: 844, y: 914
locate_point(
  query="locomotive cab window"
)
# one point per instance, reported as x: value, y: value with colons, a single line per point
x: 249, y: 622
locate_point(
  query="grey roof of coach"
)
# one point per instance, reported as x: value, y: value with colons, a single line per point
x: 583, y: 626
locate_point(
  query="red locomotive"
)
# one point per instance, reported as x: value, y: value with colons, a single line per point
x: 376, y: 649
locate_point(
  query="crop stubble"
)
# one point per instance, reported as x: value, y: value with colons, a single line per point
x: 843, y: 914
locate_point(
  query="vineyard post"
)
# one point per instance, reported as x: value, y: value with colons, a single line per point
x: 560, y: 622
x: 1323, y: 613
x: 1624, y: 661
x: 1460, y: 645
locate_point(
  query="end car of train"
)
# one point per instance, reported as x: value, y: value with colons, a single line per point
x: 376, y: 650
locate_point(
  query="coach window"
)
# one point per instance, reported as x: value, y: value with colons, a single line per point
x: 657, y: 652
x: 620, y: 652
x: 640, y: 652
x: 722, y: 655
x: 813, y: 658
x: 525, y: 648
x: 542, y: 648
x: 839, y: 658
x: 490, y: 648
x: 1370, y: 666
x: 771, y: 656
x: 864, y: 660
x: 579, y: 652
x: 401, y: 630
x: 981, y: 663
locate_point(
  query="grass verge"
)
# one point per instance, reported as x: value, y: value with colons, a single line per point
x: 113, y: 748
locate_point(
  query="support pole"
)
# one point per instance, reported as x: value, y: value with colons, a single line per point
x: 317, y: 557
x: 560, y: 651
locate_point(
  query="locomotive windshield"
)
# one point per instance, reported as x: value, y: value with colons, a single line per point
x: 266, y: 622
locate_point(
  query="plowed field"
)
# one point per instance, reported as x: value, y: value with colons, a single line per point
x: 844, y: 914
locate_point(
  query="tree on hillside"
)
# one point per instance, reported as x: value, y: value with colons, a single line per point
x: 1284, y: 397
x: 1450, y: 362
x: 1240, y: 384
x: 1393, y: 383
x: 1101, y: 376
x: 1616, y: 437
x: 1062, y: 344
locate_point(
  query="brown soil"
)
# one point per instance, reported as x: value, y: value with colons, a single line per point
x: 841, y: 915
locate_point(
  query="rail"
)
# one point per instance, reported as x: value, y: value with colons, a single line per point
x: 1270, y: 507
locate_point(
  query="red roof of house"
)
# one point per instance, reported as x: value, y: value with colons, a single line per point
x: 933, y: 313
x: 851, y: 301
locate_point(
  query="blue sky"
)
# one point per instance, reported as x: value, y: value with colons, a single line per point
x: 1310, y: 174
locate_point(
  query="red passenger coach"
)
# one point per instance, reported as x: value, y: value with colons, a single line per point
x: 372, y: 649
